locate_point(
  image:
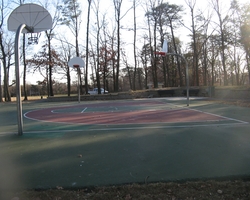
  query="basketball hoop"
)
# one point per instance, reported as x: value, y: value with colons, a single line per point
x: 164, y: 49
x: 33, y: 39
x: 160, y: 53
x: 76, y: 63
x: 25, y: 19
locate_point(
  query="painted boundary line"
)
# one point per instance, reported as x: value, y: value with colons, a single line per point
x: 129, y: 128
x: 84, y: 110
x: 141, y: 126
x: 167, y: 127
x: 226, y: 118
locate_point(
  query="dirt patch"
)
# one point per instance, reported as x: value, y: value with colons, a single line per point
x: 190, y: 190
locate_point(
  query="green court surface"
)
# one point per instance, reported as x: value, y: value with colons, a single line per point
x: 69, y: 155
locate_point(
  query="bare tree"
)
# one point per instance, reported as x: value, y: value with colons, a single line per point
x: 244, y: 34
x: 1, y: 24
x: 24, y: 68
x: 100, y: 24
x: 128, y: 71
x: 118, y: 18
x: 71, y: 12
x: 117, y: 5
x: 173, y: 17
x: 134, y: 44
x: 222, y: 24
x: 145, y: 59
x: 66, y: 53
x: 152, y: 20
x: 108, y: 55
x: 50, y: 35
x: 87, y: 47
x: 6, y: 51
x: 72, y: 18
x: 234, y: 52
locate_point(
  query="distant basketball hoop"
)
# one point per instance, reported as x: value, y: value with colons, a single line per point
x: 164, y: 49
x: 76, y: 63
x: 160, y: 53
x: 164, y: 52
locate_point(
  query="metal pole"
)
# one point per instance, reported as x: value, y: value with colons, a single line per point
x: 79, y: 96
x: 1, y: 97
x: 187, y: 80
x: 187, y: 75
x: 18, y: 88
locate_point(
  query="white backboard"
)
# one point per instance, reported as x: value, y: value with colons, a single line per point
x: 165, y: 47
x: 76, y: 61
x: 32, y: 15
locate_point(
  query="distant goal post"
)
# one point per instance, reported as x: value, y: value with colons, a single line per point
x: 76, y: 63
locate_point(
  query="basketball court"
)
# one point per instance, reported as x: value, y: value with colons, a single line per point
x: 136, y: 113
x: 75, y: 145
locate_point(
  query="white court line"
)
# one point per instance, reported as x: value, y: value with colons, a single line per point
x: 84, y: 110
x: 164, y: 127
x: 127, y: 128
x: 227, y: 118
x: 55, y: 111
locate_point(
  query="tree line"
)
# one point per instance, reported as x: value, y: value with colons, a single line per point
x: 216, y: 48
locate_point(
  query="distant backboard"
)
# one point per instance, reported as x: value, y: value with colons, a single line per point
x: 76, y: 61
x: 165, y: 46
x: 32, y: 15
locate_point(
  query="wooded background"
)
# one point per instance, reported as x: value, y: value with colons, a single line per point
x: 118, y: 45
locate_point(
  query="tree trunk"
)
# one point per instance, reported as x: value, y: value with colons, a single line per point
x: 118, y: 56
x: 68, y: 81
x: 195, y: 53
x: 117, y: 5
x: 5, y: 71
x: 205, y: 81
x: 165, y: 71
x: 223, y: 59
x: 248, y: 66
x: 97, y: 68
x: 1, y: 92
x: 87, y: 48
x: 51, y: 93
x: 155, y: 64
x: 176, y: 51
x: 24, y: 70
x: 134, y: 45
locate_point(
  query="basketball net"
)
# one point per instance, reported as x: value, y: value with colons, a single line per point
x: 76, y: 66
x: 33, y: 39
